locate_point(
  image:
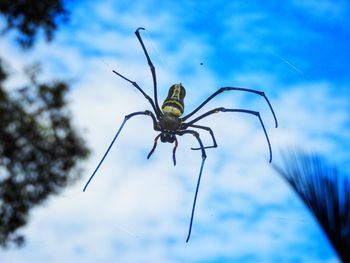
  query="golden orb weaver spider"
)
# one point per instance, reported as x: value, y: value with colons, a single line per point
x: 169, y: 123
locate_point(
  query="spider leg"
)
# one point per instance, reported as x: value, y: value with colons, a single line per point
x: 152, y: 68
x: 158, y: 112
x: 154, y: 146
x: 174, y: 151
x: 204, y: 156
x: 127, y: 117
x: 211, y: 134
x: 221, y: 109
x: 227, y: 89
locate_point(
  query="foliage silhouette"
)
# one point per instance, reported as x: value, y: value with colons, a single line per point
x: 28, y: 16
x: 326, y: 192
x: 39, y: 150
x: 39, y: 147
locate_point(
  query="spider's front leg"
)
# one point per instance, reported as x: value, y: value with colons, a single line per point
x: 156, y: 110
x: 223, y: 89
x: 151, y: 66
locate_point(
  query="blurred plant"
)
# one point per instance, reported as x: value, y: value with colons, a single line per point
x: 39, y: 151
x: 28, y: 16
x: 39, y: 147
x: 325, y: 192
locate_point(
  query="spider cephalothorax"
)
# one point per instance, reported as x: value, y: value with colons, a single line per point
x: 169, y: 123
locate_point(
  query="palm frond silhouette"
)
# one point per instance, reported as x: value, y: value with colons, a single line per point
x: 325, y: 191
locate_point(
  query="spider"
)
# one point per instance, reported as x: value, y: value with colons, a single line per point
x: 168, y: 121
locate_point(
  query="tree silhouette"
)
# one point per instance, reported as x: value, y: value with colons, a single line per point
x: 325, y: 192
x: 39, y: 147
x: 28, y: 16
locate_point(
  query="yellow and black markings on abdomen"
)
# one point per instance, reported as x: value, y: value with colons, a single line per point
x: 174, y: 103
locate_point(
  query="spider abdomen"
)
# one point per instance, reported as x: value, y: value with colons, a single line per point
x: 174, y: 103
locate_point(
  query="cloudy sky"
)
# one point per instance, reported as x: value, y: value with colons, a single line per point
x: 138, y: 210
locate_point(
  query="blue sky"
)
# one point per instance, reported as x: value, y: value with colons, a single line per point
x: 138, y: 210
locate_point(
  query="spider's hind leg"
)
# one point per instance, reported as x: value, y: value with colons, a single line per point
x: 210, y: 132
x: 204, y: 156
x: 126, y: 118
x: 222, y: 109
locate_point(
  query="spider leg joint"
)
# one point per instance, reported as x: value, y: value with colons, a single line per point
x: 140, y: 28
x: 220, y: 109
